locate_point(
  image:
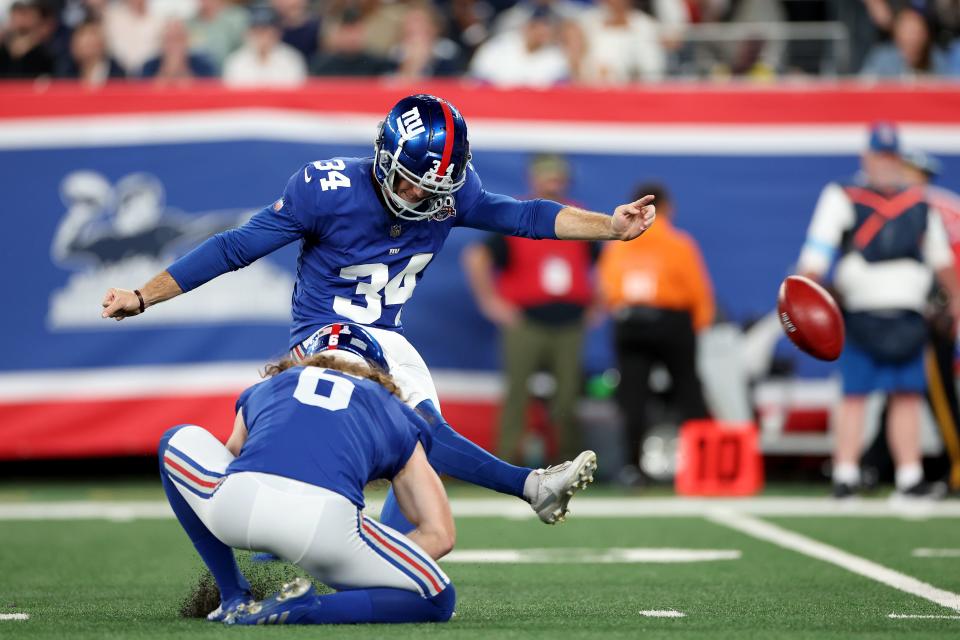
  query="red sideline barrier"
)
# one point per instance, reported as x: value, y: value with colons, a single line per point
x: 818, y: 103
x: 133, y: 426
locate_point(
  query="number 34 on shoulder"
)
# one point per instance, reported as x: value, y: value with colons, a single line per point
x: 333, y: 178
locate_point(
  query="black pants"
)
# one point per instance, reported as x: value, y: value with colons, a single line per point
x: 644, y: 337
x: 942, y: 396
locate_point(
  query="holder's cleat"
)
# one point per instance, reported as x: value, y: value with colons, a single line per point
x: 288, y: 606
x: 225, y: 608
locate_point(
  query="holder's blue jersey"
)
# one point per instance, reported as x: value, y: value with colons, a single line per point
x: 328, y: 429
x: 358, y: 263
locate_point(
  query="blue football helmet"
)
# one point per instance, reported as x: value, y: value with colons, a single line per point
x: 343, y: 336
x: 424, y: 141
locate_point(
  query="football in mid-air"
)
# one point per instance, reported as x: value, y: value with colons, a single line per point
x: 810, y: 318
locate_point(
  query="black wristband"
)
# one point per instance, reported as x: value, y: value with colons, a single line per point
x: 143, y: 306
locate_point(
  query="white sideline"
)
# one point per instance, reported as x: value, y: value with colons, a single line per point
x: 590, y: 556
x: 504, y: 507
x: 821, y: 551
x: 914, y: 616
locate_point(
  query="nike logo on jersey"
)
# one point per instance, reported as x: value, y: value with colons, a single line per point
x: 306, y: 175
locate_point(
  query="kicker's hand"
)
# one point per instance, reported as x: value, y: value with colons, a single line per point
x: 120, y: 303
x: 631, y: 220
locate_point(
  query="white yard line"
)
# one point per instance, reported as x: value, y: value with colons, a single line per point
x: 855, y: 564
x: 663, y: 613
x: 914, y: 616
x: 589, y: 556
x: 505, y: 507
x: 14, y: 616
x: 936, y: 553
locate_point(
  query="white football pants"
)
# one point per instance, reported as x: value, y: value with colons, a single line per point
x: 315, y: 528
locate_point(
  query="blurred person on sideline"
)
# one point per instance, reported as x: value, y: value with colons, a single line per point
x: 888, y: 243
x: 177, y: 62
x: 218, y: 29
x: 299, y: 27
x: 622, y: 45
x: 423, y: 50
x: 88, y: 60
x: 264, y: 60
x: 912, y: 52
x: 537, y: 292
x: 133, y: 33
x: 660, y: 296
x: 530, y: 57
x: 922, y: 169
x: 23, y: 51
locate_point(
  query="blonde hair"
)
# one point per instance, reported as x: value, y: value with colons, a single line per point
x: 325, y: 361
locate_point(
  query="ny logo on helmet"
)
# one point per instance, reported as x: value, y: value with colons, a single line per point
x: 410, y: 124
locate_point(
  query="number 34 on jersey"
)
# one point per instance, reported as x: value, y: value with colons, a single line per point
x: 332, y: 179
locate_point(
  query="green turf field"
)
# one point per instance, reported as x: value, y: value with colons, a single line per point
x: 126, y: 577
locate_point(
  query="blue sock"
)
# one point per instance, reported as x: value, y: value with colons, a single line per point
x: 459, y: 458
x: 217, y: 556
x: 381, y: 606
x: 391, y: 515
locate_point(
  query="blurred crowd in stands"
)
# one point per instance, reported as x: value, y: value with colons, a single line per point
x: 534, y: 43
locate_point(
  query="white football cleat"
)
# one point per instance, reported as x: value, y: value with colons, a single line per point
x: 558, y: 483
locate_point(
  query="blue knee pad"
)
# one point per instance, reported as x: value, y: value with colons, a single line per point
x: 445, y: 602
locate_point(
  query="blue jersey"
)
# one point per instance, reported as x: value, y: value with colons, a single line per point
x: 328, y: 429
x: 358, y: 263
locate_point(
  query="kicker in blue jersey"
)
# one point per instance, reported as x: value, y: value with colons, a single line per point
x: 358, y: 261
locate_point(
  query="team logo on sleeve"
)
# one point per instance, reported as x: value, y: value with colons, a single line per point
x: 278, y: 205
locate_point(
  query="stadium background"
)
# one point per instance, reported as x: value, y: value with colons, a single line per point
x: 745, y: 164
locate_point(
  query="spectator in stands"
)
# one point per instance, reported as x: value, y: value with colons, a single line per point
x: 531, y: 56
x: 467, y: 24
x: 537, y: 293
x: 672, y: 18
x: 133, y: 33
x: 343, y: 52
x: 422, y: 51
x: 912, y: 52
x: 301, y: 29
x: 176, y: 62
x: 381, y: 23
x: 264, y: 60
x: 660, y: 296
x: 516, y: 17
x: 218, y: 29
x: 88, y: 60
x: 76, y: 12
x: 889, y: 244
x: 24, y: 50
x: 622, y: 45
